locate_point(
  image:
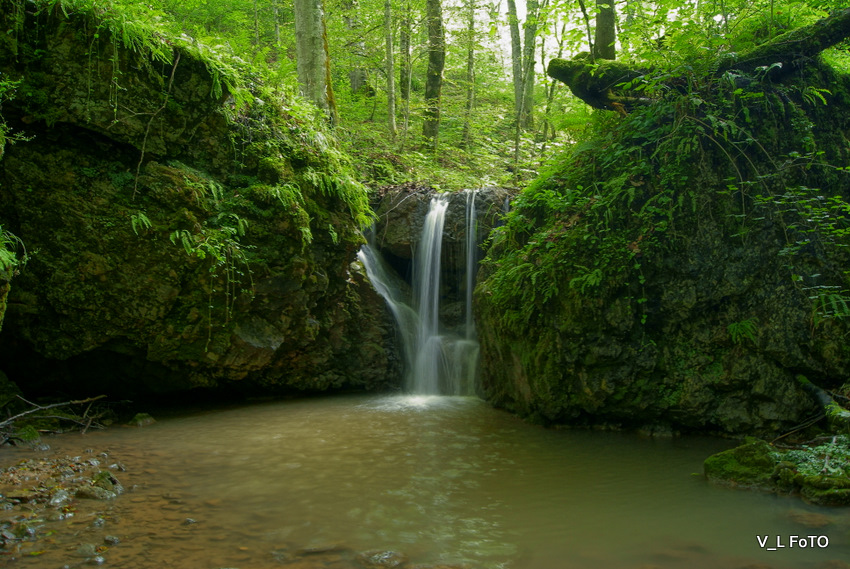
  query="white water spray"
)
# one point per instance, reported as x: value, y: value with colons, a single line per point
x: 438, y: 361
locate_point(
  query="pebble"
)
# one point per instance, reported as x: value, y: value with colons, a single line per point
x: 59, y: 497
x: 378, y: 559
x: 87, y: 550
x: 111, y: 540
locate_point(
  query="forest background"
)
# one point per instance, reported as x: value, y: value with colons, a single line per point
x: 469, y: 103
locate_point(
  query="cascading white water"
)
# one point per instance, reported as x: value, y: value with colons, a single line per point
x: 438, y: 361
x: 429, y: 362
x: 388, y: 287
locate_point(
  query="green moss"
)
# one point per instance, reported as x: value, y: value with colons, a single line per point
x: 750, y: 465
x: 826, y: 497
x: 142, y: 420
x: 758, y: 465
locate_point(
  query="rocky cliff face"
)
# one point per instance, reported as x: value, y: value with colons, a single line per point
x: 177, y: 239
x: 669, y: 278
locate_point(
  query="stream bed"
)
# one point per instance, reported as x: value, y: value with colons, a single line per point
x: 443, y: 481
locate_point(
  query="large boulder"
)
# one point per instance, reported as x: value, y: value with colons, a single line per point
x: 682, y: 288
x: 176, y: 240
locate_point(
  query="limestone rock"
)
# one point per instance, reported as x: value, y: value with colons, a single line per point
x: 194, y: 274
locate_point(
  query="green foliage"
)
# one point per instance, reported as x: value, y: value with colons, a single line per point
x: 745, y: 329
x: 13, y: 253
x: 147, y: 31
x: 218, y: 243
x: 612, y: 206
x: 8, y: 90
x: 28, y: 434
x: 140, y: 221
x: 831, y: 458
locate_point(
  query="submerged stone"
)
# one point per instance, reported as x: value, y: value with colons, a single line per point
x: 94, y: 493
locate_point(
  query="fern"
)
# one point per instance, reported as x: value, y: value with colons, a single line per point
x: 743, y: 330
x: 10, y: 259
x: 813, y: 95
x: 140, y: 221
x: 587, y: 280
x: 184, y: 238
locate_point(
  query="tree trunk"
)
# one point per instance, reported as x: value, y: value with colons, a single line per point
x: 606, y: 35
x: 388, y: 29
x: 530, y: 37
x: 357, y: 76
x: 434, y: 79
x: 516, y: 57
x: 586, y: 25
x: 470, y: 73
x: 550, y: 90
x: 404, y: 48
x: 313, y: 63
x: 276, y: 10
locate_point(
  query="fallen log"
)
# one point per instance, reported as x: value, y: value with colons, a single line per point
x: 837, y: 417
x: 605, y: 84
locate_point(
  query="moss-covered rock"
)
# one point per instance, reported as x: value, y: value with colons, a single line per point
x: 666, y: 273
x: 183, y: 238
x: 820, y: 474
x: 749, y: 466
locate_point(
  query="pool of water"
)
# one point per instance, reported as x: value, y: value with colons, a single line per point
x: 441, y: 479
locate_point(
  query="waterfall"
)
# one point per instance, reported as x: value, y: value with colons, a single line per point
x: 430, y: 359
x: 438, y: 360
x: 388, y: 286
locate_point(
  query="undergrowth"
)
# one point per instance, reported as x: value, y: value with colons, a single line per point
x: 271, y: 122
x: 708, y: 149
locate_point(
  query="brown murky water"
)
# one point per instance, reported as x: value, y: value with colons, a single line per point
x: 440, y: 479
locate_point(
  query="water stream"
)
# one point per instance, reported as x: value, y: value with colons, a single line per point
x: 441, y: 479
x: 446, y: 480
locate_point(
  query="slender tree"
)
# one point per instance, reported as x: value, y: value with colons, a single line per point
x: 388, y: 29
x: 470, y: 72
x: 516, y: 57
x: 256, y: 26
x: 276, y: 12
x: 311, y: 52
x: 404, y: 48
x: 530, y: 39
x: 522, y: 59
x: 551, y: 86
x: 434, y: 77
x: 606, y: 35
x: 357, y: 75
